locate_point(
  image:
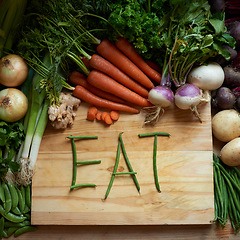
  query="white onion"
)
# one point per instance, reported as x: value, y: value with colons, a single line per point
x: 13, y: 105
x: 13, y: 70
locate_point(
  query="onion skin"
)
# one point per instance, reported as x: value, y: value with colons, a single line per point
x: 13, y: 70
x: 13, y: 105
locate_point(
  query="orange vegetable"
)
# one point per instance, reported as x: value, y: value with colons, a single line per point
x: 85, y: 95
x: 86, y: 62
x: 103, y: 65
x: 114, y: 115
x: 78, y: 78
x: 127, y: 48
x: 106, y: 83
x: 91, y: 115
x: 108, y: 120
x: 99, y: 116
x: 104, y: 114
x: 109, y: 51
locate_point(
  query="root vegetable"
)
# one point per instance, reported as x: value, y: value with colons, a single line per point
x: 13, y: 105
x: 230, y: 153
x: 207, y: 77
x: 225, y: 99
x: 226, y: 125
x: 63, y: 115
x: 161, y: 97
x: 232, y: 76
x: 188, y: 96
x: 13, y: 70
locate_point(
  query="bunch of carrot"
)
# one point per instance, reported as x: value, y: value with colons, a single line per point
x: 118, y: 78
x: 106, y: 117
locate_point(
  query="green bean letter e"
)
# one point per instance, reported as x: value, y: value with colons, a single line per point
x: 76, y: 163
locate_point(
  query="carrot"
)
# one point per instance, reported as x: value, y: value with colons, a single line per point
x: 78, y: 78
x: 91, y: 115
x: 128, y: 49
x: 106, y: 83
x: 104, y: 114
x: 108, y: 120
x: 85, y: 95
x: 109, y: 51
x: 99, y: 116
x: 114, y: 115
x: 86, y: 62
x: 103, y: 65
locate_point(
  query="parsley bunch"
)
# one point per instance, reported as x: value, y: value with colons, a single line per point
x: 11, y: 137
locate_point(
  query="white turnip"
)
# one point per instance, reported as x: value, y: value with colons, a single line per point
x: 161, y: 97
x: 188, y: 96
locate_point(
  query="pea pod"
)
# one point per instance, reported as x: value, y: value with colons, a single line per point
x: 21, y: 202
x: 5, y: 234
x: 25, y: 229
x: 17, y: 225
x: 17, y: 211
x: 11, y: 230
x: 28, y: 196
x: 2, y: 195
x: 1, y: 227
x: 8, y: 198
x: 14, y: 195
x: 22, y: 189
x: 11, y: 217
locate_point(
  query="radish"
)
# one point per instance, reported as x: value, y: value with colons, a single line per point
x: 207, y: 77
x: 188, y: 96
x: 161, y: 97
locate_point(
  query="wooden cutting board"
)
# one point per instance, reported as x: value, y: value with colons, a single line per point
x: 184, y: 162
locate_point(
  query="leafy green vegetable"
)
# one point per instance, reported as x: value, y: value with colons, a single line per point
x: 11, y: 137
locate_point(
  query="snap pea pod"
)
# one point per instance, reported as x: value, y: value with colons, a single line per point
x: 25, y: 229
x: 17, y: 225
x: 11, y: 217
x: 11, y: 230
x: 17, y: 211
x: 28, y: 196
x: 2, y: 195
x: 21, y: 202
x: 1, y: 227
x: 8, y: 198
x: 22, y: 189
x: 14, y: 195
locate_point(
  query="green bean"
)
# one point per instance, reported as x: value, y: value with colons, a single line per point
x: 2, y: 195
x: 155, y: 163
x: 128, y: 162
x: 25, y: 229
x: 14, y: 195
x: 124, y: 173
x: 28, y: 196
x: 154, y: 134
x: 89, y: 162
x: 1, y: 227
x: 8, y: 198
x: 11, y: 217
x: 114, y: 170
x: 21, y: 202
x: 82, y: 137
x: 82, y: 185
x: 74, y: 162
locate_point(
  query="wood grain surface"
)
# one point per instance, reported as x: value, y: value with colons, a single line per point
x: 184, y: 162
